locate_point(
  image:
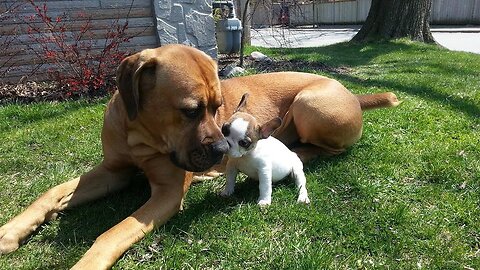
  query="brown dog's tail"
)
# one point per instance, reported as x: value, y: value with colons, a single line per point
x: 375, y: 101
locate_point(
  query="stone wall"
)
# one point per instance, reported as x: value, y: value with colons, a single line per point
x: 188, y: 22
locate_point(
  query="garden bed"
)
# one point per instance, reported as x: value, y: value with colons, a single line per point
x: 31, y: 91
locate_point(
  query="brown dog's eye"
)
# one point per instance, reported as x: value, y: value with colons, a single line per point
x: 192, y: 113
x: 245, y: 143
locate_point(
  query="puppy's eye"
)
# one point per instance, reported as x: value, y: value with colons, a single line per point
x: 192, y: 113
x: 226, y: 130
x: 245, y: 143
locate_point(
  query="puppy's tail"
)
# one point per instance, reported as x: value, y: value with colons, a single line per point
x: 375, y: 101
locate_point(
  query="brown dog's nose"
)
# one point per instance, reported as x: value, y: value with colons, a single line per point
x: 219, y: 147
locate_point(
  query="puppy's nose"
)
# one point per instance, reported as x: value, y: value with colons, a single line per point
x: 220, y: 147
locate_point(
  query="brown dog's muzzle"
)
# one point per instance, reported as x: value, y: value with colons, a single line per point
x: 202, y: 158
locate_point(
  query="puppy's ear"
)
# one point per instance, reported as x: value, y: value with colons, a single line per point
x: 128, y: 82
x: 242, y: 104
x: 268, y: 128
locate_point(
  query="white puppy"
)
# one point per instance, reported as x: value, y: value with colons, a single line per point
x: 254, y: 152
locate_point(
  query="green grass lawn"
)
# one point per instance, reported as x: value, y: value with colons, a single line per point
x: 406, y: 196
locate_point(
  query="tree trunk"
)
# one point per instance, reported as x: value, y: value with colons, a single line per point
x: 245, y: 38
x: 389, y: 19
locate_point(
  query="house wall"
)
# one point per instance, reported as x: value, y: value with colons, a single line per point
x: 19, y: 55
x: 151, y: 23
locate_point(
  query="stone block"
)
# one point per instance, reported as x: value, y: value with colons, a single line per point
x: 186, y: 1
x: 166, y: 32
x: 181, y: 33
x: 162, y: 8
x: 202, y: 26
x: 211, y: 51
x: 188, y: 22
x: 176, y: 14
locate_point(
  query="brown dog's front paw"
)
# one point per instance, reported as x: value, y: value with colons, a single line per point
x: 9, y: 242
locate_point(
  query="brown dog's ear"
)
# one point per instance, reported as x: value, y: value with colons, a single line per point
x: 128, y: 75
x: 242, y: 104
x: 268, y: 128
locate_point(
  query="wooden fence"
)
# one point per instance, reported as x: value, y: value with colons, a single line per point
x: 356, y: 11
x: 455, y: 12
x: 19, y: 53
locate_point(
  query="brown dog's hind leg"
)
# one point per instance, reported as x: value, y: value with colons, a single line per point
x: 308, y: 152
x: 287, y: 133
x: 327, y: 120
x: 93, y: 184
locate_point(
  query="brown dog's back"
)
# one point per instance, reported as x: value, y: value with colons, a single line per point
x: 318, y: 112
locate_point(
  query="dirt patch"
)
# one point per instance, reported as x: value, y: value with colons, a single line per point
x: 279, y: 64
x: 293, y: 65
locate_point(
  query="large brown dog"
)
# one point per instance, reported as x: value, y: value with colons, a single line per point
x: 165, y: 120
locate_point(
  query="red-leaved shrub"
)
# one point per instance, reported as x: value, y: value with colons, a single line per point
x: 75, y: 59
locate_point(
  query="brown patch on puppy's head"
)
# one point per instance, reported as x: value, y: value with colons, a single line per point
x: 242, y: 130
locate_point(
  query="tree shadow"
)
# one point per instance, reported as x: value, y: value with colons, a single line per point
x: 455, y: 103
x: 344, y: 54
x: 340, y: 57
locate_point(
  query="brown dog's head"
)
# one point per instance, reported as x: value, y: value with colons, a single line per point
x: 173, y: 92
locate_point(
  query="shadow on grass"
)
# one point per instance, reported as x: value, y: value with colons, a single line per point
x: 80, y: 226
x: 344, y: 54
x: 462, y: 105
x: 92, y: 219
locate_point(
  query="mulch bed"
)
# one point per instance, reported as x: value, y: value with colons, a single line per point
x: 293, y: 65
x: 31, y: 92
x: 28, y: 92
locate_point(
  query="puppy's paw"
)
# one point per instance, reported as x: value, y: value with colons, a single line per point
x: 264, y: 202
x: 303, y: 199
x: 9, y: 242
x: 200, y: 177
x: 226, y: 192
